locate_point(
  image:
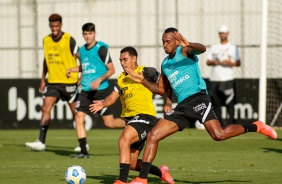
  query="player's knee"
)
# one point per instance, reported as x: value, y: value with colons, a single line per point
x: 44, y: 108
x: 108, y: 124
x: 218, y: 135
x: 152, y: 137
x: 79, y: 123
x: 79, y: 120
x: 123, y: 141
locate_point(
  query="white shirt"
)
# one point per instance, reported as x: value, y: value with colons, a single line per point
x: 219, y: 72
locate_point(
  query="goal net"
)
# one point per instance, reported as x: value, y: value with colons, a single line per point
x: 274, y: 63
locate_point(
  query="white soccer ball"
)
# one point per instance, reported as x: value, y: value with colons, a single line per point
x: 75, y: 175
x: 222, y: 56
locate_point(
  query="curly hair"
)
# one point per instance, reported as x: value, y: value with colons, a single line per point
x: 55, y: 17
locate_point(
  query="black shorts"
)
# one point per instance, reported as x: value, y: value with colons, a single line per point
x: 65, y: 92
x: 85, y: 98
x: 143, y: 123
x: 197, y: 107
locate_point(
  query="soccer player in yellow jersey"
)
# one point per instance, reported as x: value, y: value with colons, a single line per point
x: 138, y: 112
x: 60, y: 52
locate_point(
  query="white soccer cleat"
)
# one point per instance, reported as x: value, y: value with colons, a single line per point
x: 36, y: 145
x: 78, y: 149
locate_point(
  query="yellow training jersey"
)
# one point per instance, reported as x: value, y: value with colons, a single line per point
x: 59, y: 58
x: 135, y: 98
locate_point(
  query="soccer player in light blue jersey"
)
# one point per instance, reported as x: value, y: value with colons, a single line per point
x: 181, y: 74
x: 96, y: 67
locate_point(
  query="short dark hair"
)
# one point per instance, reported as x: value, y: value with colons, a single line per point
x: 88, y: 27
x: 170, y: 29
x: 55, y: 17
x: 131, y: 50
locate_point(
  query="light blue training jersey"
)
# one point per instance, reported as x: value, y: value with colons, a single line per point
x: 92, y: 66
x: 183, y: 75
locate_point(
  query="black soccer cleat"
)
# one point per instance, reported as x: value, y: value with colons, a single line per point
x: 81, y: 155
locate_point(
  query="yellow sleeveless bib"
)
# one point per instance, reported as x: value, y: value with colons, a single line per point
x: 59, y: 58
x: 135, y: 98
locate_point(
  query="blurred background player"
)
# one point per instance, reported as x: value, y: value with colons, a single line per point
x: 96, y: 67
x: 138, y: 112
x: 60, y: 52
x: 223, y: 57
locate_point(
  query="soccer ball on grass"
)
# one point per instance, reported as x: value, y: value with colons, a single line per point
x: 75, y: 175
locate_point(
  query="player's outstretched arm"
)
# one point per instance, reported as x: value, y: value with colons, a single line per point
x: 98, y: 105
x: 168, y: 103
x: 44, y: 72
x: 157, y: 88
x: 189, y: 47
x: 110, y: 71
x: 137, y: 77
x: 71, y: 70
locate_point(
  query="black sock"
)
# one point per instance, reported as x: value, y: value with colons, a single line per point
x: 42, y: 133
x: 82, y: 144
x: 250, y: 128
x: 123, y: 172
x: 145, y: 168
x: 155, y: 171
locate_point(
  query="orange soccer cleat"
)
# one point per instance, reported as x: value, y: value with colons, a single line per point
x: 265, y: 129
x: 138, y: 180
x: 166, y: 176
x: 118, y: 182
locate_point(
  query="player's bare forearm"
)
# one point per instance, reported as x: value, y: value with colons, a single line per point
x: 169, y: 93
x: 154, y: 87
x: 98, y: 105
x: 139, y: 77
x: 108, y: 101
x: 212, y: 62
x: 168, y: 105
x: 43, y: 76
x: 111, y: 99
x: 72, y: 70
x: 107, y: 75
x: 44, y: 70
x: 196, y: 48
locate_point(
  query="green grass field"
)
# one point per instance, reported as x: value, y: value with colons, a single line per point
x: 192, y: 156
